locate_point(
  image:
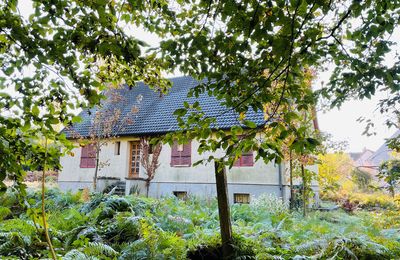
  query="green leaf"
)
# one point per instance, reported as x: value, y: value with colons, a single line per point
x: 76, y: 119
x: 35, y: 110
x: 180, y: 112
x: 249, y: 124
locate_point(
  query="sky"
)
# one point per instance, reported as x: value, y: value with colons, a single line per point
x: 341, y: 123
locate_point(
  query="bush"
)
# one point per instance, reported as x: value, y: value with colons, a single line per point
x: 363, y: 179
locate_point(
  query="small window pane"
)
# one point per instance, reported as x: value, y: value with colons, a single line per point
x: 241, y: 198
x: 135, y: 159
x: 180, y: 194
x: 117, y: 150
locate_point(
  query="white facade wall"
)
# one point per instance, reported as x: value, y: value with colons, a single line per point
x: 199, y: 180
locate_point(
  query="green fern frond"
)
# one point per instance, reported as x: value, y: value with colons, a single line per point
x: 99, y: 249
x: 77, y: 255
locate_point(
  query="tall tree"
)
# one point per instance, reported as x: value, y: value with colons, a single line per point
x: 256, y: 53
x: 252, y: 54
x: 58, y: 60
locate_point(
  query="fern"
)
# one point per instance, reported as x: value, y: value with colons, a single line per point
x: 15, y: 244
x: 118, y: 204
x: 99, y: 249
x: 82, y: 231
x: 75, y: 254
x: 93, y: 203
x: 4, y: 212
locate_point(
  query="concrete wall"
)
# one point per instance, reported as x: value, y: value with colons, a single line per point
x: 199, y: 180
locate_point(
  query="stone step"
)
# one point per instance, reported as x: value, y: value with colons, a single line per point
x: 119, y: 188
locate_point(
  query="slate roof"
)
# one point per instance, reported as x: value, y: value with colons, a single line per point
x: 155, y: 115
x: 383, y: 153
x: 355, y: 155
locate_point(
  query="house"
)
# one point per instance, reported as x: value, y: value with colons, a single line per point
x: 369, y: 161
x: 383, y: 153
x: 363, y: 160
x: 175, y: 174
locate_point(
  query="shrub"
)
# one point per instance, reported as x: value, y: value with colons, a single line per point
x: 270, y: 203
x: 363, y: 179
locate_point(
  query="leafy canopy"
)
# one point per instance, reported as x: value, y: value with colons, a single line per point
x: 252, y: 55
x: 257, y: 55
x: 58, y: 60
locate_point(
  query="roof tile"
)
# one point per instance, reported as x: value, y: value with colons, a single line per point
x: 155, y: 113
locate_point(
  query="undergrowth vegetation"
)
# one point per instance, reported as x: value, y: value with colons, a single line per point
x: 112, y: 227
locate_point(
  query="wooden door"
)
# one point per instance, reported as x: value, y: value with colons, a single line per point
x: 134, y: 159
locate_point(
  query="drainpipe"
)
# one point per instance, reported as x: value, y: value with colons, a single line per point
x: 280, y: 181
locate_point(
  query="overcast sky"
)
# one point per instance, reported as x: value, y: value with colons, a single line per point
x: 341, y: 123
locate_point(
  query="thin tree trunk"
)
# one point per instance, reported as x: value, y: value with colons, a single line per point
x: 96, y: 170
x: 291, y: 180
x: 147, y: 188
x: 46, y: 231
x: 223, y: 210
x: 303, y: 176
x: 392, y: 191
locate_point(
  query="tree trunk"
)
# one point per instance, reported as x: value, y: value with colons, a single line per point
x: 46, y: 230
x: 147, y: 188
x: 291, y: 202
x: 303, y: 176
x: 96, y: 170
x: 223, y: 210
x: 392, y: 191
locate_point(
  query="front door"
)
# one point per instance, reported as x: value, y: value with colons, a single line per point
x: 134, y: 159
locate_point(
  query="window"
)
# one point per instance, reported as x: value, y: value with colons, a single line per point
x: 179, y: 148
x: 241, y: 198
x: 88, y: 156
x: 181, y: 154
x: 117, y: 149
x: 246, y: 159
x: 180, y: 194
x: 134, y: 159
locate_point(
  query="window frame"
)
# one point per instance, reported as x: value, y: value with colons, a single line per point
x: 179, y: 194
x: 181, y: 158
x: 241, y: 198
x: 240, y: 161
x: 134, y: 174
x: 117, y: 148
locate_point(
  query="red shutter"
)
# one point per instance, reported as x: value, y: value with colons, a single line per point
x: 181, y: 158
x: 91, y: 151
x: 91, y: 163
x: 186, y: 154
x: 88, y: 156
x: 174, y: 154
x: 246, y: 159
x: 84, y: 152
x: 83, y: 163
x: 83, y: 157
